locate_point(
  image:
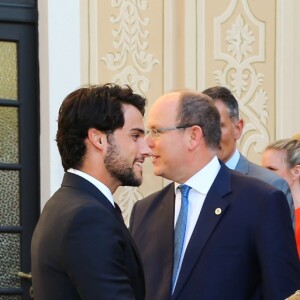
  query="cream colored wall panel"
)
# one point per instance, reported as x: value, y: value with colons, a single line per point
x: 127, y: 42
x: 156, y: 46
x: 288, y: 68
x: 239, y: 53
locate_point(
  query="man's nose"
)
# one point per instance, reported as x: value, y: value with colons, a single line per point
x: 149, y: 140
x: 145, y: 149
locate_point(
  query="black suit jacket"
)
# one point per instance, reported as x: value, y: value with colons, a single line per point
x: 245, y: 252
x: 81, y: 250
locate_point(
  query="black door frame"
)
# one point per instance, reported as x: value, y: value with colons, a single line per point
x: 18, y: 23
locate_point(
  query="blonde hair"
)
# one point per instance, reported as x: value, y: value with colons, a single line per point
x: 292, y: 149
x: 296, y: 136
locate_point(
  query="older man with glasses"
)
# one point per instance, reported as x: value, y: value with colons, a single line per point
x: 213, y: 233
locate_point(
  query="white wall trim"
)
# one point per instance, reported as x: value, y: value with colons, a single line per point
x: 190, y: 47
x: 200, y: 62
x: 170, y: 13
x: 288, y: 65
x: 60, y: 73
x: 284, y: 61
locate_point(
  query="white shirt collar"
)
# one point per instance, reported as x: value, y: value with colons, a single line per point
x: 99, y: 185
x: 200, y: 184
x: 233, y: 161
x: 203, y: 179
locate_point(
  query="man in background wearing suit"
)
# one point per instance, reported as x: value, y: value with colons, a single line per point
x: 232, y: 127
x: 230, y: 237
x: 81, y: 248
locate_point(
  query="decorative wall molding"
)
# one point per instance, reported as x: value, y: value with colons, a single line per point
x: 151, y: 45
x: 240, y: 43
x: 126, y: 199
x: 130, y: 61
x: 130, y: 64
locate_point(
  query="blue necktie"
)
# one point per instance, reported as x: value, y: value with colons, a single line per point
x: 180, y: 230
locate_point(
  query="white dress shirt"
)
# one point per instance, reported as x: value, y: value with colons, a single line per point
x: 200, y: 184
x: 99, y: 185
x: 233, y: 160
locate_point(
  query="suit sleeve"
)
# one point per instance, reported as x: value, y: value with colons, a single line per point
x: 94, y: 256
x: 276, y: 248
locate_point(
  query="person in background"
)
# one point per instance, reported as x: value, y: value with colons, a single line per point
x: 296, y: 136
x: 213, y: 233
x: 295, y: 296
x: 283, y: 158
x: 232, y: 127
x: 81, y: 248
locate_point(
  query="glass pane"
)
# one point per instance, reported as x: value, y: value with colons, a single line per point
x: 3, y: 297
x: 27, y: 3
x: 9, y: 260
x: 9, y: 198
x: 8, y: 70
x: 9, y: 135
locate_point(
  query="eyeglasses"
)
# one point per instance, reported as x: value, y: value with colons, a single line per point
x: 156, y: 132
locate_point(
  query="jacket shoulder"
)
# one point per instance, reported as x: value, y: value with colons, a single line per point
x: 266, y: 175
x: 157, y: 196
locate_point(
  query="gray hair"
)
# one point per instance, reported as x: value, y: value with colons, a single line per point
x: 198, y: 109
x: 225, y: 96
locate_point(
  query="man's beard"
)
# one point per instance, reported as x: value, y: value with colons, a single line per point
x: 118, y: 166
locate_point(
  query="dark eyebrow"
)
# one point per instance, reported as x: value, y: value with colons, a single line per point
x: 141, y: 131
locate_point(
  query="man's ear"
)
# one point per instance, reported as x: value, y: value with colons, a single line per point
x: 195, y: 135
x: 296, y: 172
x: 95, y: 137
x: 238, y: 128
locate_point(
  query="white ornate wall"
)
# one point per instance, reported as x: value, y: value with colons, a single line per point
x: 250, y: 46
x: 239, y: 53
x: 156, y: 46
x: 123, y: 43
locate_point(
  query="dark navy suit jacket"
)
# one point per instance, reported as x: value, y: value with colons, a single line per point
x: 245, y: 252
x: 82, y: 250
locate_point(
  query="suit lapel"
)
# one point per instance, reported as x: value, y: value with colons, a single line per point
x: 163, y: 247
x: 242, y: 165
x: 211, y: 215
x: 78, y: 182
x: 75, y: 181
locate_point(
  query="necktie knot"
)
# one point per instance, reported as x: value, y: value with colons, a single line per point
x: 184, y: 189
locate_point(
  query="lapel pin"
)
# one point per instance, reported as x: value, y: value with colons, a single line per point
x: 218, y: 211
